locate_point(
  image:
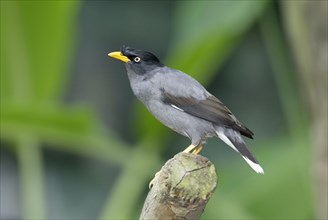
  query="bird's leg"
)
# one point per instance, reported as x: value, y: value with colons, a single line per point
x: 190, y: 148
x: 197, y: 149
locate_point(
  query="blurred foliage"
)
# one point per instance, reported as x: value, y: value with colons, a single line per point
x: 38, y: 40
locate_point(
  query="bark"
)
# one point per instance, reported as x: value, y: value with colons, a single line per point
x: 181, y: 189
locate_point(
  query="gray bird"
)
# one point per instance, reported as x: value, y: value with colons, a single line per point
x: 183, y: 104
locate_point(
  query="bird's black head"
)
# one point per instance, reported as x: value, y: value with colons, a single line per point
x: 139, y: 56
x: 141, y: 62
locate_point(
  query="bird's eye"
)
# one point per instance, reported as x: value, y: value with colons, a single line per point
x: 137, y: 59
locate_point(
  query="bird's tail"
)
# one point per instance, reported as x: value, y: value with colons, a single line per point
x: 234, y: 140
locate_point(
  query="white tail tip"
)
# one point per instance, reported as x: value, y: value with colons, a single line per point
x: 254, y: 166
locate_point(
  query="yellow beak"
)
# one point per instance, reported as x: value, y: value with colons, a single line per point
x: 118, y: 55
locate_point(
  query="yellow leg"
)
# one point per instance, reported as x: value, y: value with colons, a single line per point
x: 197, y: 149
x: 190, y: 149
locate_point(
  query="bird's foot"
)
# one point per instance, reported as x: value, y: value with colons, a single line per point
x: 197, y: 149
x: 190, y: 148
x: 194, y: 149
x: 151, y: 184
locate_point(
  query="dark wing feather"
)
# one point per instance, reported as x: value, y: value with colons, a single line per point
x: 210, y: 109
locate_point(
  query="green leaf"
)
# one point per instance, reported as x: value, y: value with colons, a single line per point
x: 37, y: 37
x: 70, y: 129
x: 207, y: 31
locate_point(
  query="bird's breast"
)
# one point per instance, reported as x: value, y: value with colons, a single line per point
x: 145, y: 91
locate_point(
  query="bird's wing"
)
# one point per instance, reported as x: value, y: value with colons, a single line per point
x: 209, y: 108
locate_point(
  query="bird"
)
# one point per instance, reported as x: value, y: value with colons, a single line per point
x: 181, y: 103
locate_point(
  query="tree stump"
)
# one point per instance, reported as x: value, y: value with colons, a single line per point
x: 181, y: 189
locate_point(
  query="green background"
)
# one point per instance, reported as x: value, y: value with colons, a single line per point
x: 75, y: 142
